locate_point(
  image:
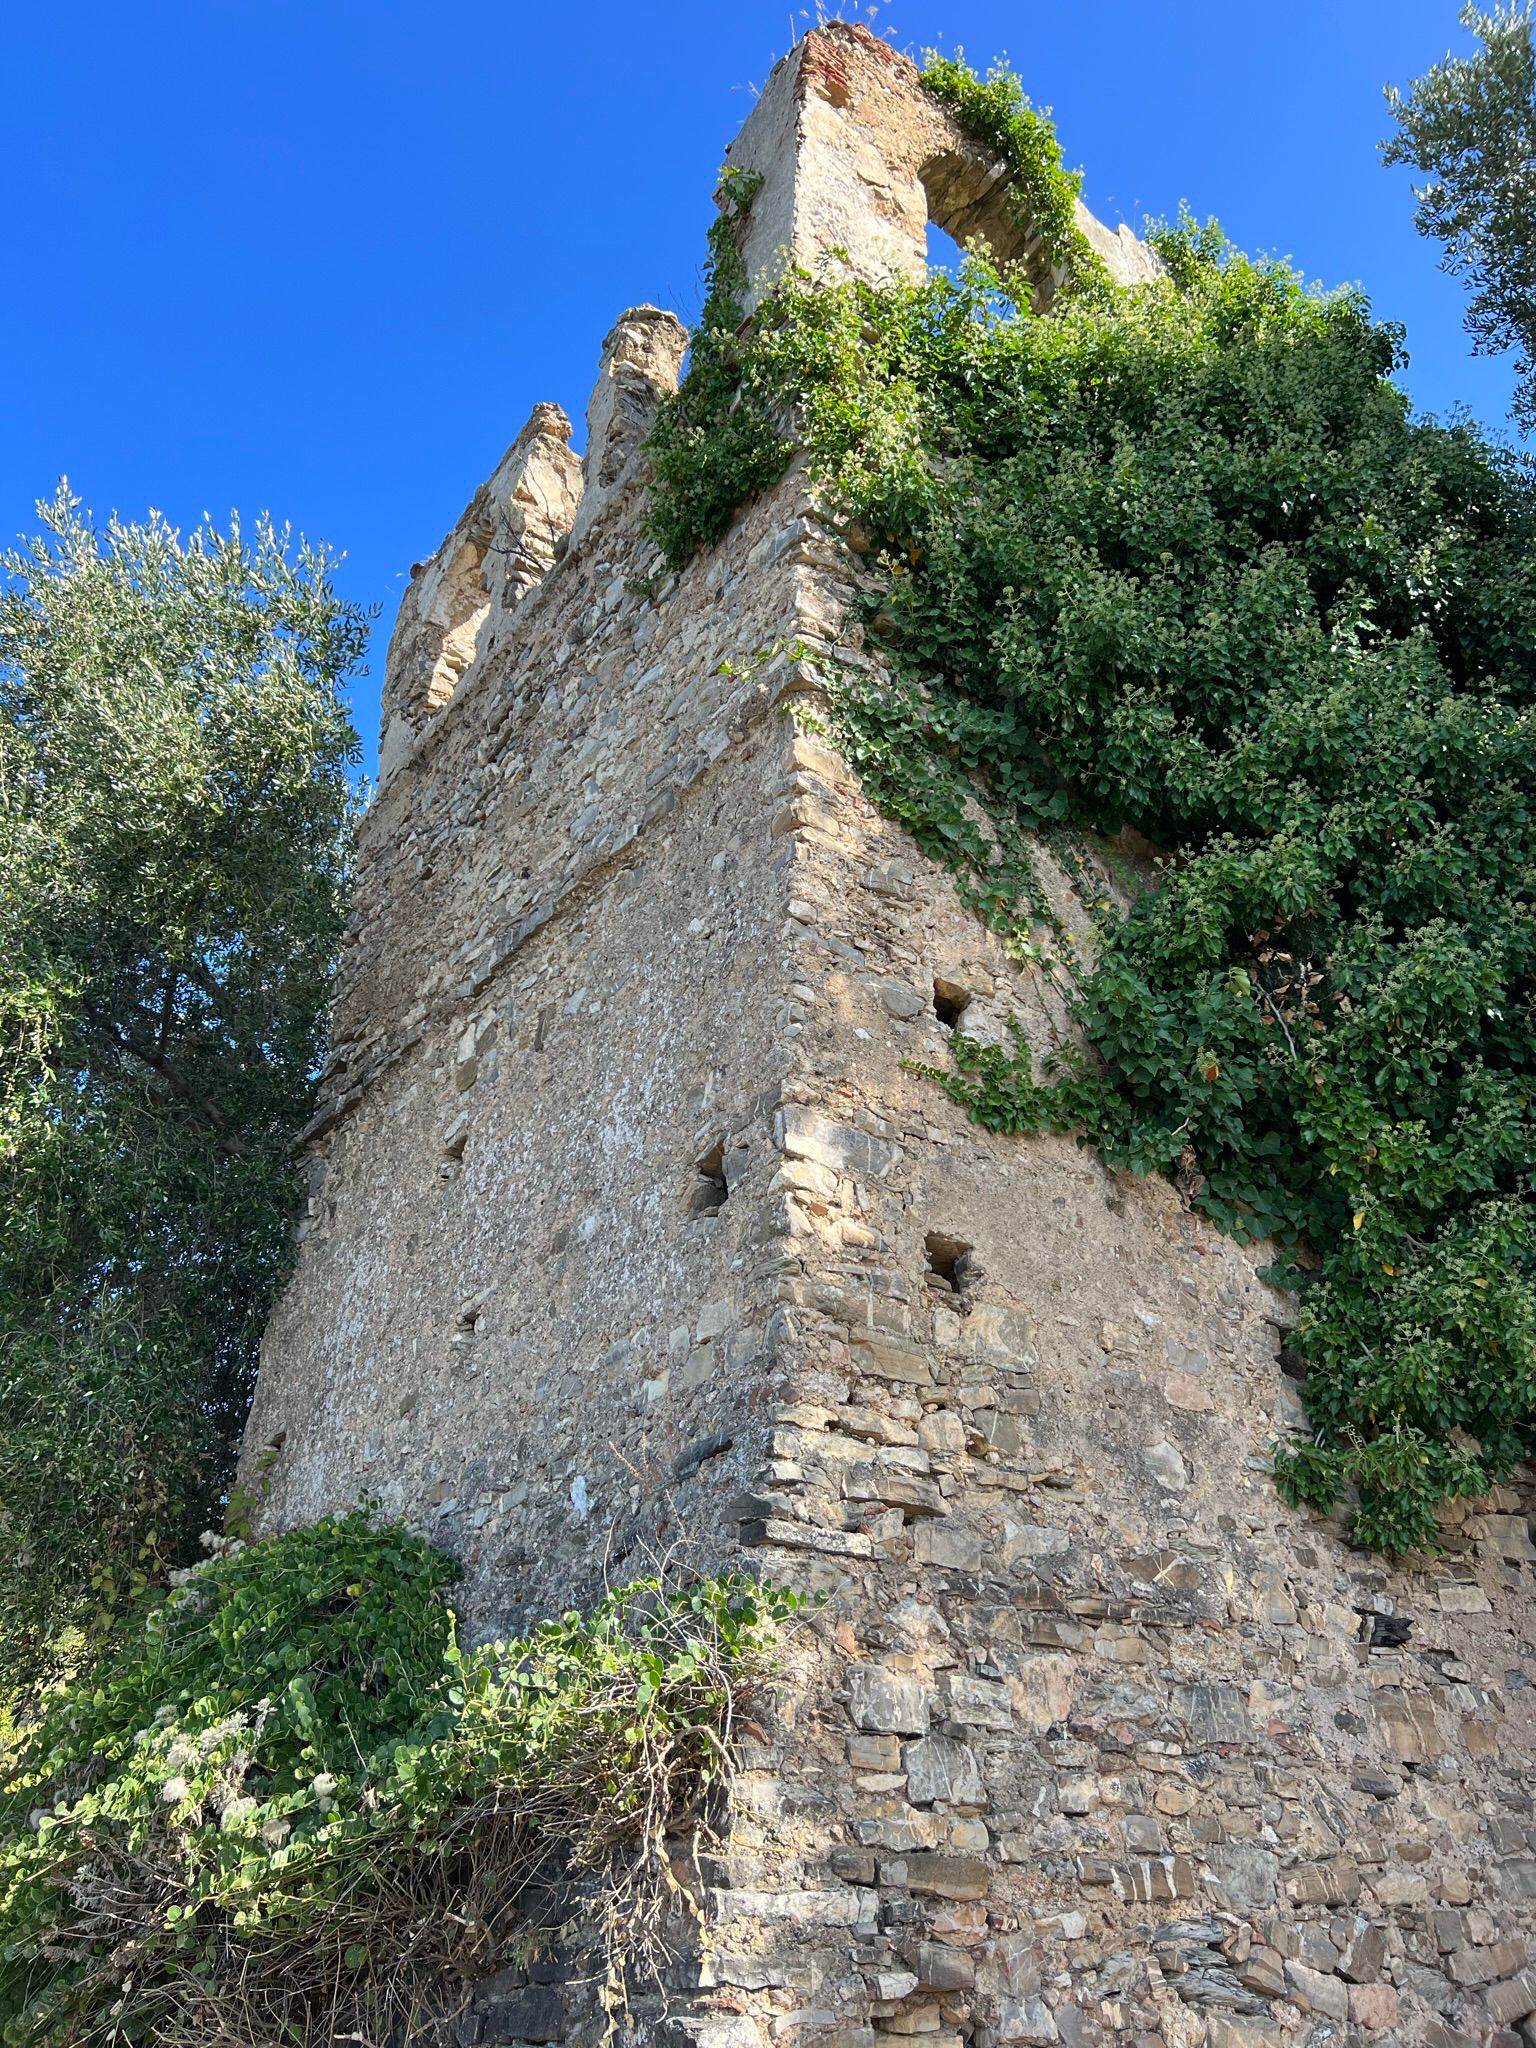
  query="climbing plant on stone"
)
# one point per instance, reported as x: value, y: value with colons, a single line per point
x: 726, y: 433
x: 290, y: 1807
x: 1179, y: 559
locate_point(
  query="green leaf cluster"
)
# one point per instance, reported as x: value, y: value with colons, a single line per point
x: 176, y: 809
x: 1470, y: 124
x: 727, y: 431
x: 1178, y: 563
x: 715, y: 441
x: 290, y: 1805
x: 1042, y: 195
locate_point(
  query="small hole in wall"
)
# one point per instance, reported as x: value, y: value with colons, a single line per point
x: 1292, y: 1364
x: 710, y: 1193
x: 949, y: 1262
x: 950, y: 1001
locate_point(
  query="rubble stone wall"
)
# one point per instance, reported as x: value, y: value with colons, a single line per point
x: 1104, y: 1742
x: 633, y: 1223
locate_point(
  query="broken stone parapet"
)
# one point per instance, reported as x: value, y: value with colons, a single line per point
x: 460, y: 599
x: 856, y: 159
x: 642, y: 358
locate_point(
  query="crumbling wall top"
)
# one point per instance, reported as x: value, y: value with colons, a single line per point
x: 856, y: 158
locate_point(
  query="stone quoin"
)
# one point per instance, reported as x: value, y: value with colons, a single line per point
x: 631, y: 1232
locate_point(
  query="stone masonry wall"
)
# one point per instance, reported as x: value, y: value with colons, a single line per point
x: 632, y: 1228
x: 1101, y: 1741
x: 531, y: 1308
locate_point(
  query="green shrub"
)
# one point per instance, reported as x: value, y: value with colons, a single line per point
x: 291, y: 1807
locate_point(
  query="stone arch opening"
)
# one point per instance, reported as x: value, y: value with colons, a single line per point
x: 970, y: 200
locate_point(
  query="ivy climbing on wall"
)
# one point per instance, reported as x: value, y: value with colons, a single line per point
x: 1042, y: 194
x: 1179, y: 558
x: 715, y: 441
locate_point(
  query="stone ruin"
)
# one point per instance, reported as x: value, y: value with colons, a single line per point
x: 630, y: 1229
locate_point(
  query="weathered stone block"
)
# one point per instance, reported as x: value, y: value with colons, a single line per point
x: 1513, y: 1999
x: 1000, y: 1334
x: 977, y: 1702
x: 1245, y: 1872
x: 1215, y: 1713
x: 942, y: 1968
x: 887, y: 1358
x: 1373, y: 2006
x: 842, y: 1148
x: 1223, y: 2030
x: 1509, y: 1536
x: 1028, y: 1542
x: 1263, y: 1970
x: 948, y: 1545
x: 937, y: 1876
x: 1364, y: 1955
x: 1334, y: 1883
x: 884, y: 1702
x: 939, y: 1769
x: 1025, y: 2019
x: 1314, y: 1992
x: 534, y: 2014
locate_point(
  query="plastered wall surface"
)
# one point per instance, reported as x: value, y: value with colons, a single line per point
x: 632, y: 1225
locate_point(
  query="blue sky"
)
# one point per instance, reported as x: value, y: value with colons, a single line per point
x: 321, y: 257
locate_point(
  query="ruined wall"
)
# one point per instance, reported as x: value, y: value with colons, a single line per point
x: 533, y: 1296
x: 631, y: 1225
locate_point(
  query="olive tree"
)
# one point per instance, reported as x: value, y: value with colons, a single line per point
x: 177, y: 801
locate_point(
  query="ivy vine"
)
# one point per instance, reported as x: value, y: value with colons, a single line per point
x: 1042, y: 194
x: 1178, y: 558
x: 1181, y: 560
x: 725, y: 433
x: 715, y: 441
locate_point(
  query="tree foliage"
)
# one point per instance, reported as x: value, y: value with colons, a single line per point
x: 290, y: 1807
x: 1179, y: 559
x: 1469, y: 124
x: 175, y: 819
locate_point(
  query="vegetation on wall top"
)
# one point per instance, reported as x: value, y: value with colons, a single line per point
x: 726, y: 433
x: 995, y: 112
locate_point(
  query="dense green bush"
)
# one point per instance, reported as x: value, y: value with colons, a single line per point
x: 291, y: 1807
x: 1179, y: 559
